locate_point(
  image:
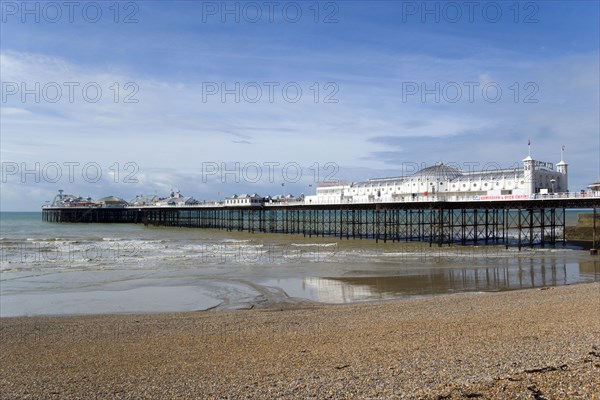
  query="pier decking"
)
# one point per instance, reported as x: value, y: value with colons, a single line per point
x: 521, y: 223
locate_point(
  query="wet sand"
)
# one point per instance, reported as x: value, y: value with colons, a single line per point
x: 536, y: 343
x: 334, y: 272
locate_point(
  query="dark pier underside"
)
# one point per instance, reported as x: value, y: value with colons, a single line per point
x: 511, y: 223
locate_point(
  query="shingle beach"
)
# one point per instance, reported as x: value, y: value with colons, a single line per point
x: 528, y: 344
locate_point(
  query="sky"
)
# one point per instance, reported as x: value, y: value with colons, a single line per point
x: 216, y: 98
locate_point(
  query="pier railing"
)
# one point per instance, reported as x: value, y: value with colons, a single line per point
x: 459, y: 199
x: 520, y: 221
x: 407, y: 199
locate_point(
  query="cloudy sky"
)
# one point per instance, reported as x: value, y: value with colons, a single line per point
x: 216, y: 98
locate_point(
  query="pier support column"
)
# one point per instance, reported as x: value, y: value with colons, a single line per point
x: 594, y: 234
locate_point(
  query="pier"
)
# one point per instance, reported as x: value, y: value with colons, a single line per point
x: 520, y: 223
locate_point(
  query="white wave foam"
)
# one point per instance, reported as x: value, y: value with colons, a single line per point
x: 314, y: 244
x: 234, y: 241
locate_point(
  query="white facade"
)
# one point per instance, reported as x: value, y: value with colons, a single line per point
x: 244, y: 200
x: 451, y: 183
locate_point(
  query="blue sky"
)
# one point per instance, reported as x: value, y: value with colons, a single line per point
x: 385, y: 85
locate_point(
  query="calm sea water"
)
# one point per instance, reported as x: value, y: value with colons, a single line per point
x: 49, y: 268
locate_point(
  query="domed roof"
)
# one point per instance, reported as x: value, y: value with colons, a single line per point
x: 595, y: 185
x: 438, y: 172
x: 112, y: 199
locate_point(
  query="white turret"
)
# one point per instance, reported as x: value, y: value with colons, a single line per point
x: 529, y: 174
x: 561, y: 168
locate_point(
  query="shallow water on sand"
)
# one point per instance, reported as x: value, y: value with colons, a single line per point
x: 121, y: 268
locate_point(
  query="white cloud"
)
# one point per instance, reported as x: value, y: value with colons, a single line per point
x: 6, y: 111
x: 171, y: 127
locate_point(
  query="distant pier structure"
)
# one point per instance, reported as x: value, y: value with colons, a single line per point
x: 441, y: 204
x: 527, y: 222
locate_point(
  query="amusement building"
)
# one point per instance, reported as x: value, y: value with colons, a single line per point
x: 448, y: 182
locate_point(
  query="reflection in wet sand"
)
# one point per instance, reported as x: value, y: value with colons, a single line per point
x: 591, y: 267
x: 440, y: 281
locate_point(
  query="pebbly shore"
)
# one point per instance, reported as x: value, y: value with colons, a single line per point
x: 531, y: 344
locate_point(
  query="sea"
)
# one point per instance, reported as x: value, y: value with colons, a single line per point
x: 73, y: 269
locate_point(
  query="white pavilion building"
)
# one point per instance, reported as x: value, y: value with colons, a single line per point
x: 448, y: 182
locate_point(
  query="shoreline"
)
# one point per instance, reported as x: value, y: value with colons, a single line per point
x: 332, y: 277
x: 530, y: 342
x: 290, y: 303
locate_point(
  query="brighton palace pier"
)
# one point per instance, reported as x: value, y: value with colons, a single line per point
x: 441, y: 204
x: 448, y: 183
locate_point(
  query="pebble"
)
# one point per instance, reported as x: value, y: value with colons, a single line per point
x: 519, y: 344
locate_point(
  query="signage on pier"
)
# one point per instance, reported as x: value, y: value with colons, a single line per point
x: 333, y: 182
x: 505, y: 197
